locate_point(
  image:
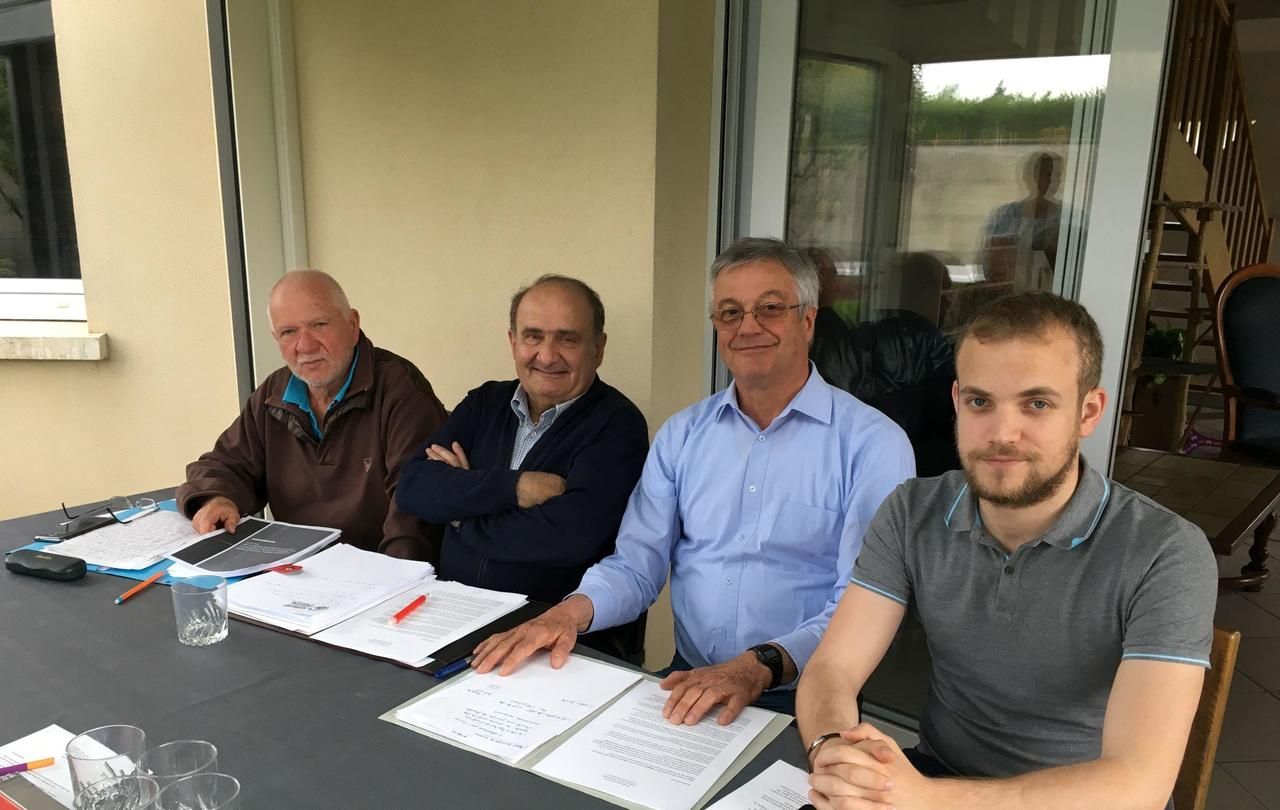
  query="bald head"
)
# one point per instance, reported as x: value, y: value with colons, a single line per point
x: 309, y: 283
x: 315, y: 327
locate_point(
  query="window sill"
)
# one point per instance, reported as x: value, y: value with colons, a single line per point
x: 50, y: 340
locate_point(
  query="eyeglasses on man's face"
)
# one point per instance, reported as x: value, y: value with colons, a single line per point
x: 731, y: 317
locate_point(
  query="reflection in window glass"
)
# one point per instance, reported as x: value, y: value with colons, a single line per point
x: 941, y: 156
x: 989, y: 144
x: 37, y: 226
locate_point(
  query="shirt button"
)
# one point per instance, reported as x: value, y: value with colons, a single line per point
x: 761, y: 437
x: 1008, y: 569
x: 751, y: 488
x: 728, y: 582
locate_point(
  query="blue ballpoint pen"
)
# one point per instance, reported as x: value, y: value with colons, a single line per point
x: 451, y: 669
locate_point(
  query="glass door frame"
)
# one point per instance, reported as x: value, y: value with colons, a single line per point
x: 761, y: 47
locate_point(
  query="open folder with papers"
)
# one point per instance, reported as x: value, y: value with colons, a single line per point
x: 345, y: 597
x: 592, y: 726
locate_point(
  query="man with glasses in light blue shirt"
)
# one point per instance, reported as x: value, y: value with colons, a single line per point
x: 755, y: 500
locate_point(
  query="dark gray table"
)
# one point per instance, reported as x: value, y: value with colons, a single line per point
x: 295, y: 721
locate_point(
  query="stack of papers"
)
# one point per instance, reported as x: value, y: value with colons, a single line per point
x: 452, y: 610
x: 334, y: 585
x: 139, y: 543
x: 256, y: 546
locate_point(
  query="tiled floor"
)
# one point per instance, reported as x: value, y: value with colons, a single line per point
x: 1247, y: 776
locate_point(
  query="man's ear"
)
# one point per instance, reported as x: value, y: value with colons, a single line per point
x: 1092, y: 407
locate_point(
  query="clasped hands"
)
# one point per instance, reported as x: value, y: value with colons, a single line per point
x: 865, y: 769
x: 532, y: 488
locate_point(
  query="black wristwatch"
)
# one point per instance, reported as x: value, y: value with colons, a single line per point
x: 771, y: 657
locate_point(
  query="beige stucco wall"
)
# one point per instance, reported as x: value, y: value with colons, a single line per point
x: 138, y: 110
x: 453, y: 151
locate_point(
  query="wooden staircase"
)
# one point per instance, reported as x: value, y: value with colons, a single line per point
x: 1208, y: 216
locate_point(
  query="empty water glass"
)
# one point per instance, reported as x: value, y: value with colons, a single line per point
x: 103, y: 753
x: 200, y: 607
x: 133, y: 792
x: 172, y: 761
x: 204, y: 791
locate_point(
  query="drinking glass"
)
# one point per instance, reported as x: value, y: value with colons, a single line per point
x: 204, y: 791
x: 103, y: 753
x: 132, y: 792
x: 170, y: 762
x: 200, y: 608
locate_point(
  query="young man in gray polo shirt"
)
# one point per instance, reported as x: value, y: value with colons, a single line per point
x: 1069, y: 619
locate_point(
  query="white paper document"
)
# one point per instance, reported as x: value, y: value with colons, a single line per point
x: 452, y: 610
x: 255, y: 546
x: 53, y: 782
x: 131, y: 546
x: 508, y: 717
x: 332, y: 586
x: 778, y: 787
x: 631, y: 751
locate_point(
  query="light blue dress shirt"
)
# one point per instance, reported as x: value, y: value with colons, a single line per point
x: 527, y: 431
x: 760, y: 528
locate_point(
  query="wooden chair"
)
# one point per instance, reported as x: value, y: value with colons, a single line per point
x: 1247, y: 334
x: 1192, y: 788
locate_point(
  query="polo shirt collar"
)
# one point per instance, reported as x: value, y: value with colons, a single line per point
x: 814, y: 400
x: 295, y: 393
x: 1075, y: 526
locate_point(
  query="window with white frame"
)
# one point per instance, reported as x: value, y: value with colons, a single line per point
x: 39, y: 257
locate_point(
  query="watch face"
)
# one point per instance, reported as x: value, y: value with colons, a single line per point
x: 768, y: 655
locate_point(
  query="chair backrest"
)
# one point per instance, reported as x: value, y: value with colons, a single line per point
x: 1248, y: 333
x: 1192, y: 788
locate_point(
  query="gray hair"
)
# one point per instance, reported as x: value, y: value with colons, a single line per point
x: 577, y: 285
x: 750, y: 249
x: 310, y: 276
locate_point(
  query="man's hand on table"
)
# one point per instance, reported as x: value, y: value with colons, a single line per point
x: 556, y: 630
x: 217, y: 512
x: 865, y: 769
x: 735, y: 683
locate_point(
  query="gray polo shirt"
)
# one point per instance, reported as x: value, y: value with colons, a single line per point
x: 1025, y: 646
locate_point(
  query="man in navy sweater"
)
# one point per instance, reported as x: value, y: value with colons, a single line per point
x: 531, y: 476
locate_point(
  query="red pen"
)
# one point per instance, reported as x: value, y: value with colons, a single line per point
x: 409, y: 608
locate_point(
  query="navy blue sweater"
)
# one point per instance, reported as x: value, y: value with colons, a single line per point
x: 598, y: 446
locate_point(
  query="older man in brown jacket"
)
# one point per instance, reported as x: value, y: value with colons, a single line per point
x: 322, y: 439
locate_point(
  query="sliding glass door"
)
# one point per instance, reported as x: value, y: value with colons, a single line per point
x: 933, y: 156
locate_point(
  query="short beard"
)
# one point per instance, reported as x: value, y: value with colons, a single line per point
x: 1036, y: 489
x: 340, y: 374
